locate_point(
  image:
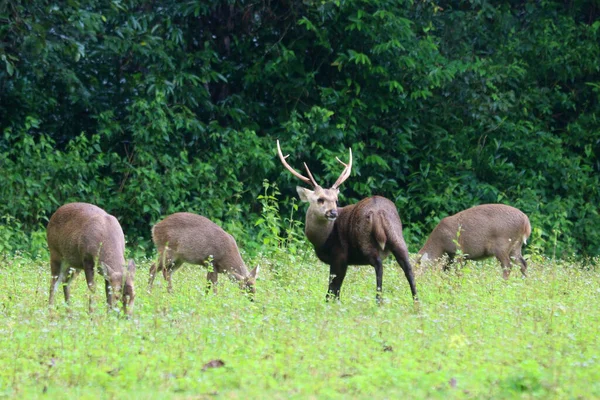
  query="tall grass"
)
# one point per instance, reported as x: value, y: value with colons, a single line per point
x: 473, y: 335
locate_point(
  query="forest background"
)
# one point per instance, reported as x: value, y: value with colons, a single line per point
x: 146, y: 108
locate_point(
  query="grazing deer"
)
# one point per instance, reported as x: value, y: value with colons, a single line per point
x: 194, y: 239
x: 481, y: 232
x: 364, y: 233
x: 82, y: 236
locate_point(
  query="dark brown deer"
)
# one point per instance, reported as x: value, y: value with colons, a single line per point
x: 364, y: 233
x: 194, y: 239
x: 487, y: 230
x: 82, y: 236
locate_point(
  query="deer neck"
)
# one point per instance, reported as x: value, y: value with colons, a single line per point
x: 317, y: 229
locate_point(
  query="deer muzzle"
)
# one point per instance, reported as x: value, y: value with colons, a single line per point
x: 331, y: 214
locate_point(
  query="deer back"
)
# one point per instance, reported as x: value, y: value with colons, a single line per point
x: 478, y: 229
x: 80, y: 230
x: 194, y: 239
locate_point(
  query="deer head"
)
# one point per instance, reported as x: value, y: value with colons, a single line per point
x: 323, y: 202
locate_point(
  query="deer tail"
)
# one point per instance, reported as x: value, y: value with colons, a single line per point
x: 378, y: 229
x: 526, y: 230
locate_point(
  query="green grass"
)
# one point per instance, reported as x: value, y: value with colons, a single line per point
x: 473, y: 335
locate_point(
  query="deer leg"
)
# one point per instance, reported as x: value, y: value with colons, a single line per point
x: 168, y: 273
x: 523, y: 266
x: 516, y: 255
x: 401, y: 255
x: 157, y: 266
x: 506, y: 265
x: 110, y: 295
x: 72, y: 273
x: 336, y: 278
x: 377, y: 263
x: 447, y: 262
x: 56, y: 278
x: 88, y: 269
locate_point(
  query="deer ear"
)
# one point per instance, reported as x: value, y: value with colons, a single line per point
x: 131, y: 268
x: 106, y: 269
x: 237, y: 276
x: 254, y: 272
x: 304, y: 193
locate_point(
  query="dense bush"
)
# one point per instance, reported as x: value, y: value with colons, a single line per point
x: 147, y: 109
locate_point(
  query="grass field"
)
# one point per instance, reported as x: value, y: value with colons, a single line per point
x: 473, y: 335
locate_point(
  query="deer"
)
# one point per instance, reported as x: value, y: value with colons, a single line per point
x: 82, y: 236
x: 480, y: 232
x: 185, y: 237
x: 364, y: 233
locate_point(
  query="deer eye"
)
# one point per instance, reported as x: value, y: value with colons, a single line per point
x: 321, y: 200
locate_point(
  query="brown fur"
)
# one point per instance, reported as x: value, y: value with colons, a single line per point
x: 364, y: 233
x: 486, y: 230
x: 83, y: 236
x: 194, y: 239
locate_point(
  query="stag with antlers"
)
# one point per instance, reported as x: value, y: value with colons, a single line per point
x: 364, y: 233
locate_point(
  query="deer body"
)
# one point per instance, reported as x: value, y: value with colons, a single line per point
x: 488, y: 230
x: 364, y: 233
x: 344, y: 236
x: 190, y: 238
x: 82, y: 236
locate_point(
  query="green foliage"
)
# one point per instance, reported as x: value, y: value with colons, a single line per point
x: 148, y: 110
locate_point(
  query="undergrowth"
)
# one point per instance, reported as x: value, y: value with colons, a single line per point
x: 473, y: 334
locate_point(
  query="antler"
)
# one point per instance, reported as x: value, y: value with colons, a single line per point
x: 345, y: 173
x: 311, y: 181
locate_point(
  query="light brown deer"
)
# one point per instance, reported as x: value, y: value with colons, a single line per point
x: 82, y: 236
x: 480, y: 232
x: 364, y: 233
x: 194, y: 239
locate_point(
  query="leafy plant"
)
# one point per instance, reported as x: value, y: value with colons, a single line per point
x: 275, y: 232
